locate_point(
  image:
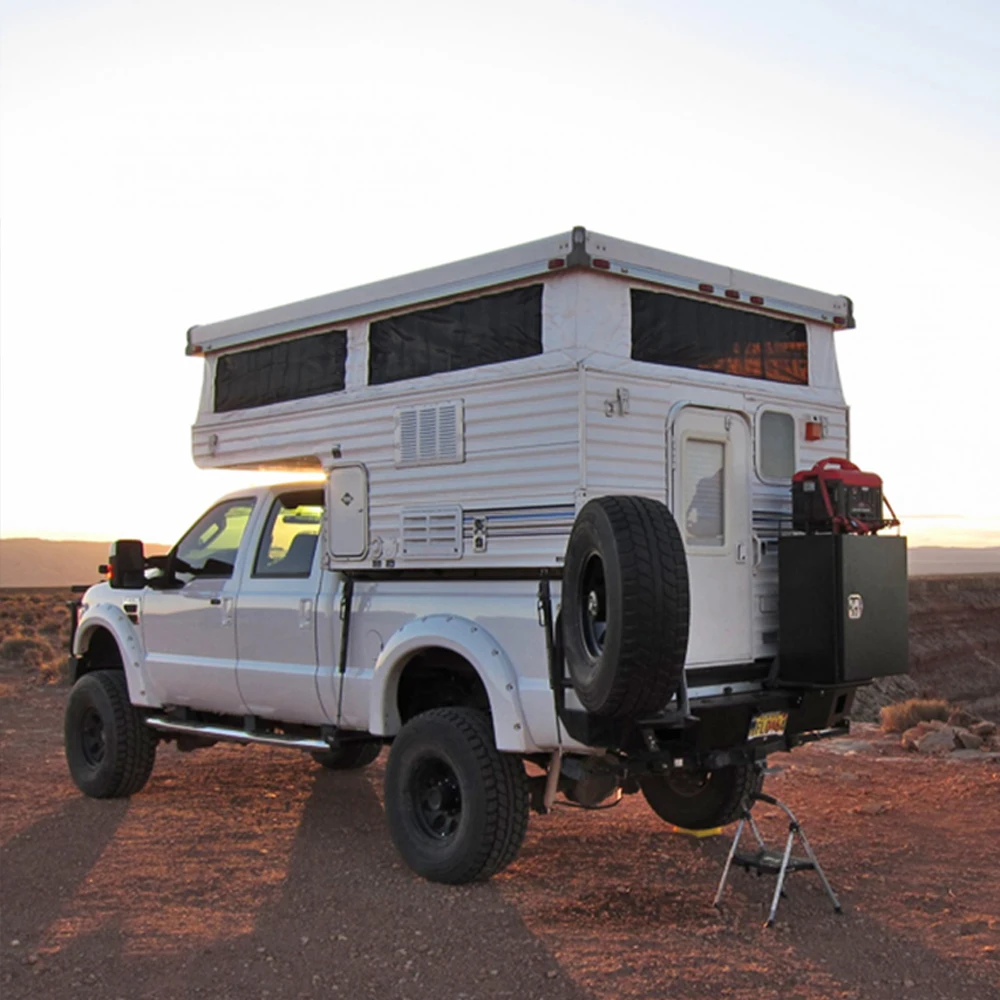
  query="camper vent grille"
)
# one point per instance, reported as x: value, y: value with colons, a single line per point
x: 432, y: 532
x: 430, y: 435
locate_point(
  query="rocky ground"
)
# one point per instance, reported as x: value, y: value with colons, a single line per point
x: 245, y: 873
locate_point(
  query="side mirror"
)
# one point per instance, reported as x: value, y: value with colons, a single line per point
x: 127, y: 564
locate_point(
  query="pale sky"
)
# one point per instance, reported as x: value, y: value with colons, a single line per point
x: 166, y: 164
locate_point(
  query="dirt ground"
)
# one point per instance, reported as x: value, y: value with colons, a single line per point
x: 244, y: 873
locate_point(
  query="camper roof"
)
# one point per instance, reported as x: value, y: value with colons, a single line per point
x: 576, y: 249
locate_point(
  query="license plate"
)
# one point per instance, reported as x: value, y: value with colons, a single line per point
x: 767, y: 724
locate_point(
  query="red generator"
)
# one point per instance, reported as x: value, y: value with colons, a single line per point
x: 836, y: 497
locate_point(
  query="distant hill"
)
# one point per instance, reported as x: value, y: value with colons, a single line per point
x: 929, y: 560
x: 38, y: 562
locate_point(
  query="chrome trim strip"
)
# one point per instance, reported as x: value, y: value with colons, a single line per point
x: 236, y: 735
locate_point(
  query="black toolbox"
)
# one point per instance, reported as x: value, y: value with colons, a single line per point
x: 843, y: 608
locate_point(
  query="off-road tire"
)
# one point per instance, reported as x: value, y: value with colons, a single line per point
x: 625, y: 563
x: 349, y: 757
x: 702, y: 801
x: 483, y: 795
x: 109, y: 748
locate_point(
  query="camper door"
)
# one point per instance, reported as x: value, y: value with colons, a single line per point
x: 710, y: 499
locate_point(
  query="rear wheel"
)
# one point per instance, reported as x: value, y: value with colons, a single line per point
x: 109, y: 748
x: 457, y: 807
x: 702, y: 800
x: 349, y: 757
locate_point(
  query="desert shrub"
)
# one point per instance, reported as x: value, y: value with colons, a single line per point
x: 27, y: 652
x: 900, y: 717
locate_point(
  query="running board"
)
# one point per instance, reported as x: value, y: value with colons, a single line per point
x: 211, y: 732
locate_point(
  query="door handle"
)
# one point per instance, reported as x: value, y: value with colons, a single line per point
x: 215, y: 600
x: 305, y: 612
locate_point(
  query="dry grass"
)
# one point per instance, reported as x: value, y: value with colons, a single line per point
x: 898, y: 718
x: 34, y: 627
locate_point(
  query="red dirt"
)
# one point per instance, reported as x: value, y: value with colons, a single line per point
x: 254, y: 873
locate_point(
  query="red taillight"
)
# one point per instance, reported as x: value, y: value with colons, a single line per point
x: 757, y: 300
x: 557, y: 262
x: 706, y: 288
x: 731, y: 293
x: 839, y: 321
x: 604, y: 265
x: 814, y: 430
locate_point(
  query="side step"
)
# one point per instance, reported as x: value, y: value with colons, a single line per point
x: 208, y: 731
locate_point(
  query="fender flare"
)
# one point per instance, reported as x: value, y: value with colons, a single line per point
x: 473, y: 643
x: 112, y: 619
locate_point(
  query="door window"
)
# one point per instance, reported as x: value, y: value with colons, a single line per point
x: 288, y: 543
x: 209, y: 549
x: 704, y: 498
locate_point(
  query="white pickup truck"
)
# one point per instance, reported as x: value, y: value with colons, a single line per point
x: 553, y: 550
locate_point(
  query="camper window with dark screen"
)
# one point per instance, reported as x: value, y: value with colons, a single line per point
x: 276, y: 373
x: 481, y: 331
x: 688, y: 333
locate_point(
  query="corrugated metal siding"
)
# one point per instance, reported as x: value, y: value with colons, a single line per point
x: 521, y: 451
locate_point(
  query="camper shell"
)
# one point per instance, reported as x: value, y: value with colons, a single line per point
x: 458, y: 461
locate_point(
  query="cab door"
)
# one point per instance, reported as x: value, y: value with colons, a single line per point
x: 189, y: 631
x: 710, y: 499
x: 276, y: 615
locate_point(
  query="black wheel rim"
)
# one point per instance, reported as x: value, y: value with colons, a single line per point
x: 688, y: 784
x: 436, y: 798
x: 93, y: 740
x: 594, y: 605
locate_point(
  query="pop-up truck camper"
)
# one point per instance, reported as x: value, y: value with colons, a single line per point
x: 580, y: 504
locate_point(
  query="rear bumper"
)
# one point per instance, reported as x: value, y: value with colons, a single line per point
x: 716, y: 730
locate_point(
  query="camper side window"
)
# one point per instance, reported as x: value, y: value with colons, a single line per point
x: 481, y: 331
x: 688, y: 333
x: 276, y: 373
x: 776, y: 445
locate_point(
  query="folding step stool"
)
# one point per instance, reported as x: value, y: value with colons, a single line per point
x: 767, y: 862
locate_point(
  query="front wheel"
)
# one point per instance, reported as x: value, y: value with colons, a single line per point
x: 457, y: 807
x: 109, y: 748
x: 702, y: 800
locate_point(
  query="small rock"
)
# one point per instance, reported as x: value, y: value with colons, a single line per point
x: 551, y: 974
x: 941, y: 741
x: 873, y: 808
x: 983, y: 729
x: 14, y: 943
x: 32, y: 959
x: 967, y: 740
x: 909, y: 983
x: 959, y: 717
x: 912, y: 736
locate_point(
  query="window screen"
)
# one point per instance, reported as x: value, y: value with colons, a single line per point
x: 704, y: 499
x: 290, y: 369
x: 672, y: 330
x: 777, y: 445
x: 288, y: 543
x: 467, y: 334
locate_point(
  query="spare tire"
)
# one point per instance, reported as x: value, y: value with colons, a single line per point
x: 625, y: 606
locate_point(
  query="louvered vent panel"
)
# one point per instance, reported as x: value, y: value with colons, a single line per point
x: 430, y: 435
x: 431, y: 532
